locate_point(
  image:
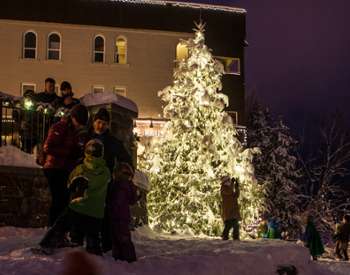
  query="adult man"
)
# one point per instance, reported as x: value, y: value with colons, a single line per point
x: 62, y: 153
x: 48, y: 95
x: 67, y: 100
x: 114, y: 151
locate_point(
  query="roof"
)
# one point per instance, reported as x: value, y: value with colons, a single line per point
x: 187, y: 4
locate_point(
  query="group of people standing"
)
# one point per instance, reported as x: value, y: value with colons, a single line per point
x: 89, y: 174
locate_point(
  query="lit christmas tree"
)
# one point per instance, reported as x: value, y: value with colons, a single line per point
x: 199, y: 147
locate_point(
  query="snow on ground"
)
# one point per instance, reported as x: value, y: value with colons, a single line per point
x: 13, y: 156
x: 168, y: 255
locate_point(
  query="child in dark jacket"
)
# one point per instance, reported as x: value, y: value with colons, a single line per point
x: 123, y: 194
x: 312, y: 239
x: 342, y: 236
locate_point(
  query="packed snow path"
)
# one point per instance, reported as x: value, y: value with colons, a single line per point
x: 159, y: 254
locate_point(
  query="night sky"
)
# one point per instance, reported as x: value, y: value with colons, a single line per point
x: 298, y: 58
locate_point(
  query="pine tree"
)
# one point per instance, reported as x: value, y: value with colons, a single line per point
x: 199, y: 146
x: 276, y: 168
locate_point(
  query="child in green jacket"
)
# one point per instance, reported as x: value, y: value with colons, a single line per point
x: 85, y: 212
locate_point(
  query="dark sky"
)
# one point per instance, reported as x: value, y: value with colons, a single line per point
x: 298, y: 59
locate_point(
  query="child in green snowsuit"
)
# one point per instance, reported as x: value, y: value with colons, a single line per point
x: 86, y: 209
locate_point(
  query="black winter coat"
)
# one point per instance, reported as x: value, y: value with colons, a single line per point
x: 114, y: 150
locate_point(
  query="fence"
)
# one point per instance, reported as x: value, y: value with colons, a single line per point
x: 23, y: 124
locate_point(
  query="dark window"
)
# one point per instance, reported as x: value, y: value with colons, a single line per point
x: 99, y: 49
x: 54, y: 47
x: 29, y: 49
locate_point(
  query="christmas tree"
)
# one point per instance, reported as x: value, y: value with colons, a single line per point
x: 276, y: 168
x: 199, y: 147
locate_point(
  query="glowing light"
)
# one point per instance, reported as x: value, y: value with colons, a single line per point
x: 28, y: 104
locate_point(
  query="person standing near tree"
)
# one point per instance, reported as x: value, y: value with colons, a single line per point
x: 59, y: 157
x: 230, y: 207
x: 342, y: 236
x: 114, y: 153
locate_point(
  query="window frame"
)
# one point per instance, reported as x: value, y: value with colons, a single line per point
x: 233, y: 115
x: 27, y: 84
x: 94, y: 52
x: 221, y: 58
x: 97, y: 87
x: 120, y: 88
x: 48, y: 46
x: 24, y: 48
x: 123, y: 37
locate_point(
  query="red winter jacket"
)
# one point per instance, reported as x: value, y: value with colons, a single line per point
x: 59, y: 145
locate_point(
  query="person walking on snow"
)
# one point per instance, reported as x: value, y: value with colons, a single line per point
x: 342, y: 236
x: 312, y: 239
x: 230, y: 207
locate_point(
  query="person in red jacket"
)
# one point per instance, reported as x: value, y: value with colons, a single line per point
x: 60, y: 149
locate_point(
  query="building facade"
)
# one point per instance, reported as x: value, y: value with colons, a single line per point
x: 126, y: 47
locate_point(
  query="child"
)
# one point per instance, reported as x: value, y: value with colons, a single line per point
x: 342, y: 239
x: 230, y: 207
x: 312, y: 239
x: 86, y: 209
x: 123, y: 194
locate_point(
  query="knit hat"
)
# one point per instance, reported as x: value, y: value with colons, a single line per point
x: 94, y: 148
x: 126, y: 169
x: 102, y: 114
x: 80, y: 113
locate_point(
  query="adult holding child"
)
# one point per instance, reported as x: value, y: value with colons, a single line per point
x: 114, y: 153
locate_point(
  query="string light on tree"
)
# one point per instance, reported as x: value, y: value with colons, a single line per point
x: 199, y: 147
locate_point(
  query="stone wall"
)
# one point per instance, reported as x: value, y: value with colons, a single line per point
x: 24, y: 197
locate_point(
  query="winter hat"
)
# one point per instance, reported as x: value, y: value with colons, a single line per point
x: 102, y: 114
x: 94, y: 148
x: 80, y: 113
x: 126, y: 169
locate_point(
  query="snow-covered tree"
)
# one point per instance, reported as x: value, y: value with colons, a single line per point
x: 199, y: 147
x: 324, y: 171
x: 276, y: 167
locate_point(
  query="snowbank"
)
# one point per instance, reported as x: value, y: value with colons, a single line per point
x: 93, y: 99
x: 12, y: 156
x: 163, y: 254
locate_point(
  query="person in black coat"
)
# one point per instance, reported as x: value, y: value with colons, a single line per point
x: 49, y: 95
x: 114, y: 153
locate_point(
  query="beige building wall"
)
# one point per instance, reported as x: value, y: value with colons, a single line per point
x: 149, y: 68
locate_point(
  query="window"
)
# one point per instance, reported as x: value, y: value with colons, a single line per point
x: 120, y: 50
x: 27, y: 86
x: 232, y: 65
x: 29, y: 45
x: 54, y: 46
x: 98, y: 89
x: 234, y: 116
x: 181, y: 51
x: 120, y: 90
x: 99, y: 49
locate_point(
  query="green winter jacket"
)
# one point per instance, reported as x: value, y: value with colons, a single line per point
x: 93, y: 201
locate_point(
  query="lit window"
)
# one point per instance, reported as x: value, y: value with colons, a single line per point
x: 120, y: 90
x: 181, y: 51
x: 120, y: 50
x: 99, y: 49
x: 232, y: 65
x: 98, y: 89
x: 54, y: 47
x: 29, y: 45
x: 27, y: 87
